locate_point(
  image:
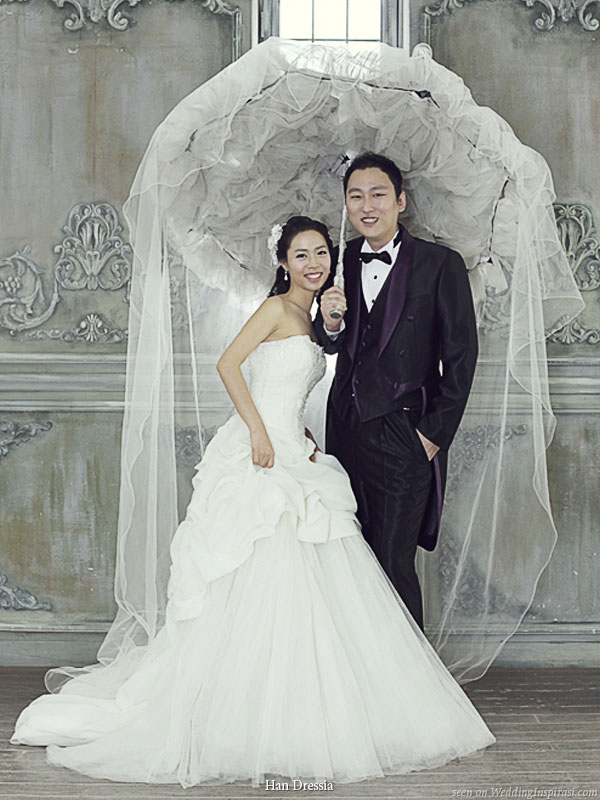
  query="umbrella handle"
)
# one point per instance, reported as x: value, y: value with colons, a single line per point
x: 337, y: 313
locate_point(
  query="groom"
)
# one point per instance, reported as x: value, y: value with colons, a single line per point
x: 407, y: 349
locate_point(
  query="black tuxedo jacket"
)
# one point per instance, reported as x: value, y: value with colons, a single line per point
x: 416, y: 347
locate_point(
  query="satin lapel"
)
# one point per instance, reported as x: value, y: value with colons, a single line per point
x: 398, y: 290
x: 354, y: 296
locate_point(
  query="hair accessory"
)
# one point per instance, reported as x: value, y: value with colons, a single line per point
x: 273, y: 241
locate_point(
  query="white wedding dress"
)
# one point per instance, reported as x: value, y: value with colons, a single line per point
x: 286, y: 650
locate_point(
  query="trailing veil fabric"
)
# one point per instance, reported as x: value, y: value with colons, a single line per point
x: 263, y: 140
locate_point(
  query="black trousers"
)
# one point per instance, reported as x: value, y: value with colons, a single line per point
x: 390, y: 475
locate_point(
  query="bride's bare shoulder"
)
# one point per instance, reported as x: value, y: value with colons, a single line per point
x: 272, y: 308
x: 275, y: 302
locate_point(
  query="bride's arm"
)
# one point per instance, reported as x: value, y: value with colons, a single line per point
x: 264, y: 322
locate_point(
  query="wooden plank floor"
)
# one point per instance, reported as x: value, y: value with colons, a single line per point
x: 547, y: 723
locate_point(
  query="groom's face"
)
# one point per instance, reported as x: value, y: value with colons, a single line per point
x: 373, y: 206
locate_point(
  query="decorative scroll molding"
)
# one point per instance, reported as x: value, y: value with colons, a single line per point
x: 182, y: 281
x: 576, y: 333
x: 92, y: 255
x: 110, y: 11
x: 442, y: 7
x: 579, y: 238
x: 95, y: 11
x: 91, y: 328
x: 13, y: 434
x: 474, y: 581
x: 18, y: 599
x: 496, y: 312
x: 22, y: 301
x: 565, y: 11
x: 469, y: 449
x: 438, y: 9
x: 552, y: 11
x: 470, y: 446
x: 188, y: 449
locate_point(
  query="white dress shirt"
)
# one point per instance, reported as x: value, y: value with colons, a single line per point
x: 373, y: 276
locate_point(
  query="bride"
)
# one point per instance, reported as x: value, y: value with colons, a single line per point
x: 286, y: 651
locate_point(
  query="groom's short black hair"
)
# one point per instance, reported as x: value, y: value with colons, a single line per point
x: 385, y: 164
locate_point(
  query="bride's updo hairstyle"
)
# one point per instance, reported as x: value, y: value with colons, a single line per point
x: 292, y: 227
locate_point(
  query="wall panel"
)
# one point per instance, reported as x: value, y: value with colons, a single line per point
x: 545, y: 84
x: 82, y: 89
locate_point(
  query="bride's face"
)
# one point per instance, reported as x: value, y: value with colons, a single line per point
x: 308, y: 260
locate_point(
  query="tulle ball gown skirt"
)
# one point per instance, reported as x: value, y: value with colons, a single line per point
x: 303, y: 663
x: 286, y: 652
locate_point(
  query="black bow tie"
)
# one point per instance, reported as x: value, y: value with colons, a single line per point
x: 368, y: 257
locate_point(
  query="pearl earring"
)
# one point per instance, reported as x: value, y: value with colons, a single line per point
x: 286, y: 276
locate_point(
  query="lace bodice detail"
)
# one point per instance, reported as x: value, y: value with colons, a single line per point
x: 282, y: 374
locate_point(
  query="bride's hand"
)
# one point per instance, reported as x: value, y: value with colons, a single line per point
x: 262, y: 450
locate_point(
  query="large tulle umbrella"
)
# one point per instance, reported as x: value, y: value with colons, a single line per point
x: 263, y: 140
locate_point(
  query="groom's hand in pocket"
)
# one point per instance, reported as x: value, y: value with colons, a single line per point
x: 430, y: 448
x: 309, y: 435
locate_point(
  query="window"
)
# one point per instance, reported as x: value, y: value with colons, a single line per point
x: 357, y: 24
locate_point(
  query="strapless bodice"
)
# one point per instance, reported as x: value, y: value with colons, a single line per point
x: 282, y: 374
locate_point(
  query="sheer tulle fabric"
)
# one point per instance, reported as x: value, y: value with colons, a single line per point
x: 225, y: 712
x: 286, y: 650
x: 258, y: 143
